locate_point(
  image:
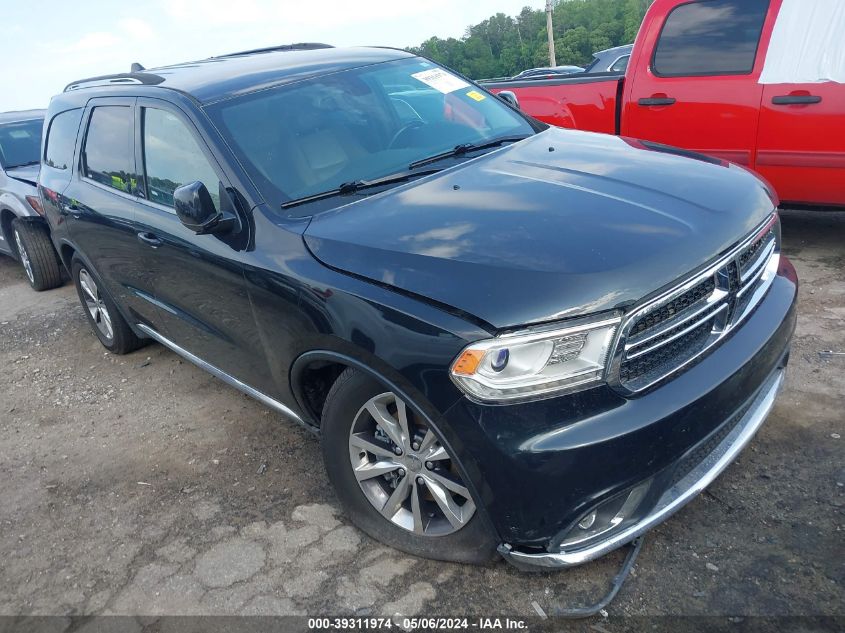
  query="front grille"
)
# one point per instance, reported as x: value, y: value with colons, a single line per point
x: 674, y: 330
x: 666, y: 312
x: 750, y: 256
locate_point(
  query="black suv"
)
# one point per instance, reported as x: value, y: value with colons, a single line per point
x: 509, y: 337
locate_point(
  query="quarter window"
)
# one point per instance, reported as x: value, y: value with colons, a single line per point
x: 109, y: 157
x: 172, y: 158
x: 710, y: 37
x: 620, y: 65
x: 61, y: 139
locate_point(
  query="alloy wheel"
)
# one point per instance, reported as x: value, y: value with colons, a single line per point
x: 404, y: 471
x: 27, y: 265
x: 95, y: 304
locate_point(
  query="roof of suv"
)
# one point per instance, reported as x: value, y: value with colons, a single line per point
x: 21, y: 115
x: 219, y: 78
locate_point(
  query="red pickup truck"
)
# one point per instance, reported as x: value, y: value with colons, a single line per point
x: 760, y: 83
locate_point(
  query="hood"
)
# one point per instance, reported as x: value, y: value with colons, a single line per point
x: 27, y: 174
x: 562, y: 224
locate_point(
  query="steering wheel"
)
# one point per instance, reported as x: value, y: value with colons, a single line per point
x: 417, y: 123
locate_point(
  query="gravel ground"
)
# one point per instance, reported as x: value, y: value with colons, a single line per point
x: 141, y: 485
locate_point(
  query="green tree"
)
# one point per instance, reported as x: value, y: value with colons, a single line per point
x: 503, y: 45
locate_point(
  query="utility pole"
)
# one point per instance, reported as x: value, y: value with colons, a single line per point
x: 552, y: 61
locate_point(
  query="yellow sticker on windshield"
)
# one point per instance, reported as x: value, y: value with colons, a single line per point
x: 474, y: 94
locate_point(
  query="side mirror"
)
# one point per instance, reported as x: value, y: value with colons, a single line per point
x: 195, y: 210
x: 509, y: 97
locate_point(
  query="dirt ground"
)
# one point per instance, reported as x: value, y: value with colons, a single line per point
x: 142, y: 485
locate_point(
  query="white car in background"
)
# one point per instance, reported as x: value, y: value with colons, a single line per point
x: 24, y: 234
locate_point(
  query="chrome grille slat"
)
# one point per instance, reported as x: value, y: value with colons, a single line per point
x: 757, y: 271
x: 687, y: 315
x: 672, y: 331
x: 686, y: 330
x: 682, y: 299
x: 758, y: 264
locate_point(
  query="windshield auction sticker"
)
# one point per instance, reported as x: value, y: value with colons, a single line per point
x: 441, y: 80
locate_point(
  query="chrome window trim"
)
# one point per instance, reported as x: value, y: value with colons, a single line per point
x: 123, y: 194
x: 768, y: 263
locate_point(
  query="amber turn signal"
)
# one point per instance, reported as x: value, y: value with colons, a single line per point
x: 468, y: 362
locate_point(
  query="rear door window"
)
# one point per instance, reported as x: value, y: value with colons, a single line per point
x: 710, y: 37
x: 108, y: 156
x: 61, y: 139
x: 173, y: 157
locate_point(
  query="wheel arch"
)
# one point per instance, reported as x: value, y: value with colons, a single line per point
x: 392, y: 380
x: 7, y: 216
x: 70, y: 251
x: 320, y: 359
x: 66, y: 253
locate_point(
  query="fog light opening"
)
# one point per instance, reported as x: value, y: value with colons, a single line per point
x: 605, y: 517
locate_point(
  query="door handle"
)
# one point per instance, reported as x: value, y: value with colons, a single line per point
x: 149, y: 239
x: 71, y: 209
x: 657, y: 101
x: 796, y: 99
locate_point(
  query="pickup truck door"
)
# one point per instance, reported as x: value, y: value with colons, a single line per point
x: 801, y: 141
x: 693, y: 80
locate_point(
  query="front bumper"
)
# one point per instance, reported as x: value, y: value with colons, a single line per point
x: 675, y: 497
x: 538, y: 468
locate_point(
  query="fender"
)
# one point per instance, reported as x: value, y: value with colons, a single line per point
x: 469, y: 472
x: 10, y: 202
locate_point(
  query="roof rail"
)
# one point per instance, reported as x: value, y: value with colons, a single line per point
x: 302, y: 46
x: 146, y: 79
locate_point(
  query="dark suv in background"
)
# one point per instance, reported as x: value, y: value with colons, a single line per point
x: 508, y: 337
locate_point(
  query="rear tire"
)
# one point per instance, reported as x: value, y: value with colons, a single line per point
x: 449, y: 529
x: 37, y: 255
x: 108, y: 324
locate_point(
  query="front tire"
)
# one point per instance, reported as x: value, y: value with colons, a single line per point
x: 108, y: 324
x: 37, y: 255
x: 394, y: 477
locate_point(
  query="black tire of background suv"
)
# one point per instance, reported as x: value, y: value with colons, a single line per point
x: 46, y: 269
x: 124, y: 339
x: 474, y: 543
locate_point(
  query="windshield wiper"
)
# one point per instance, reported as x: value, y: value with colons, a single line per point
x: 28, y: 164
x: 354, y: 186
x: 464, y: 148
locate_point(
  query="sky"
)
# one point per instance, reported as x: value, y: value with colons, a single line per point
x: 48, y: 44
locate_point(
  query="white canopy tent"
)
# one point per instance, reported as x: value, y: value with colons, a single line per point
x: 808, y: 43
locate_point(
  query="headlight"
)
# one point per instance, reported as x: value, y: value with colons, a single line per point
x: 534, y: 363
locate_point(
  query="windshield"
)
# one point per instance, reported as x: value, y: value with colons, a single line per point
x: 358, y: 125
x: 20, y: 143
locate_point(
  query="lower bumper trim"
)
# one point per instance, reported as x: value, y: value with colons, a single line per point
x: 674, y: 498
